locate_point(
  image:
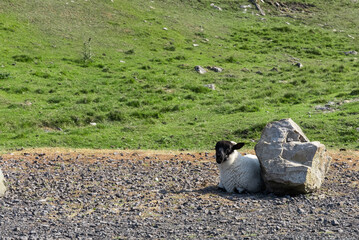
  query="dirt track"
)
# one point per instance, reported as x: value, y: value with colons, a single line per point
x: 89, y: 194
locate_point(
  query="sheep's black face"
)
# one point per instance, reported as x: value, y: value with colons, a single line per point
x: 224, y: 149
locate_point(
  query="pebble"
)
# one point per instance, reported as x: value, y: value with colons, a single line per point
x: 301, y: 211
x: 334, y: 222
x: 351, y: 53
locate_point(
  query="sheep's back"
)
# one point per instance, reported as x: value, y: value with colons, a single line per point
x: 247, y: 172
x: 250, y: 173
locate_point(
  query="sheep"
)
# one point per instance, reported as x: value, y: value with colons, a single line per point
x: 237, y: 172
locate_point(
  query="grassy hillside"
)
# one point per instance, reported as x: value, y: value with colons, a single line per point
x: 128, y: 66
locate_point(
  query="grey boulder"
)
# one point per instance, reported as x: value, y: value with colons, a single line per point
x: 290, y: 163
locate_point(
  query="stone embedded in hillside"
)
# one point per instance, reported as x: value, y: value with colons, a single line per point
x: 246, y: 6
x: 210, y: 86
x: 216, y: 7
x: 351, y: 53
x: 298, y: 64
x: 215, y: 69
x: 290, y: 163
x: 2, y: 184
x: 200, y: 69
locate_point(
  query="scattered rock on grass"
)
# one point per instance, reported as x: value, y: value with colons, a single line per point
x: 351, y: 53
x: 200, y: 69
x: 298, y: 64
x: 332, y: 106
x: 210, y: 86
x: 215, y: 69
x: 216, y: 7
x: 246, y: 6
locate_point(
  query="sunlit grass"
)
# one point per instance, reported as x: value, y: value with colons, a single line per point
x: 136, y: 79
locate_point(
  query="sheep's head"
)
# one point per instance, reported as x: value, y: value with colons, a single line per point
x: 224, y: 149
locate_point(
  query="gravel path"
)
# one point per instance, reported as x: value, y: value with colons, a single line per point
x: 137, y: 195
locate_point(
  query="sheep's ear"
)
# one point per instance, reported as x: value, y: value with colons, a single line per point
x: 238, y: 146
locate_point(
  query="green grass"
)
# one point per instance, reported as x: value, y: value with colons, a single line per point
x: 136, y: 80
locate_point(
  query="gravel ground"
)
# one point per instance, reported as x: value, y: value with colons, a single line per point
x: 58, y: 194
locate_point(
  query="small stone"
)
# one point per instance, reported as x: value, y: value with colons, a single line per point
x: 200, y: 69
x: 334, y: 222
x: 351, y: 53
x: 210, y: 86
x: 215, y: 69
x: 299, y: 65
x: 28, y: 103
x: 246, y: 6
x: 301, y: 211
x: 216, y: 7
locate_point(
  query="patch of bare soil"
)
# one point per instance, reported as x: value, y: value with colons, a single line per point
x: 108, y: 194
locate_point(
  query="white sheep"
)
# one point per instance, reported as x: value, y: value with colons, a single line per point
x: 237, y: 172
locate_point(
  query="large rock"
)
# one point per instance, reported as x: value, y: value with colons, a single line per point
x: 290, y: 163
x: 2, y: 184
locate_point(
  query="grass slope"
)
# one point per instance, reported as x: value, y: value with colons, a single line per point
x: 135, y: 78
